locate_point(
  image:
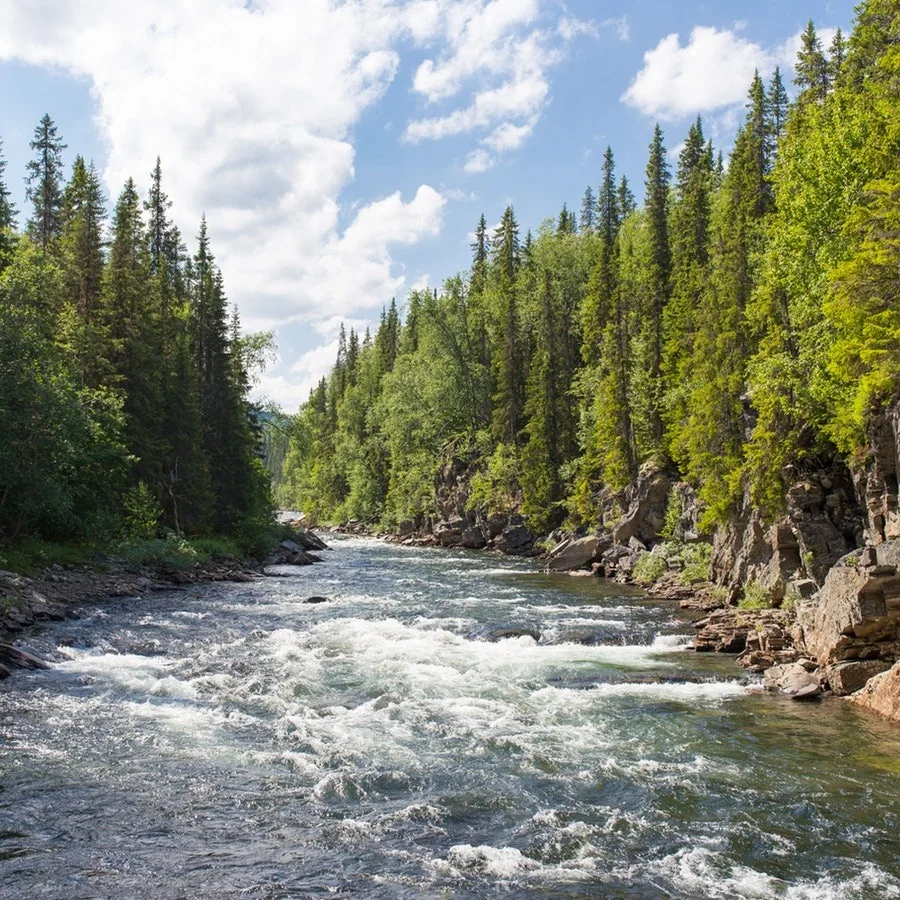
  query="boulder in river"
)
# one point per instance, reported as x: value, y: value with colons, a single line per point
x: 578, y: 553
x: 316, y: 599
x: 793, y: 680
x: 13, y: 657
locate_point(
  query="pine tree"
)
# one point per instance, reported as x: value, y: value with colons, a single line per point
x: 625, y: 199
x: 837, y: 54
x: 656, y: 205
x: 507, y: 361
x: 542, y: 453
x: 776, y: 108
x: 690, y: 220
x: 83, y: 325
x: 586, y: 222
x: 45, y: 184
x: 811, y: 66
x: 598, y: 303
x: 7, y: 215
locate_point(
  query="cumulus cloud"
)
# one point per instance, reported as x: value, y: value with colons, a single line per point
x: 251, y: 107
x: 710, y: 73
x: 498, y: 55
x: 712, y: 70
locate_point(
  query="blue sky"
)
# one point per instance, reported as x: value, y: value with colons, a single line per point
x: 343, y: 152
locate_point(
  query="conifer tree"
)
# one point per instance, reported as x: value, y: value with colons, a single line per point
x: 777, y: 108
x: 837, y: 54
x: 690, y: 219
x: 811, y: 67
x: 656, y: 206
x: 542, y: 453
x: 586, y: 221
x: 598, y: 303
x: 7, y: 215
x: 507, y: 362
x: 45, y: 184
x: 625, y: 199
x: 83, y: 325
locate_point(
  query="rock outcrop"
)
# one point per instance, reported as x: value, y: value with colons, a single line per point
x: 876, y: 480
x: 882, y: 694
x: 645, y: 516
x: 856, y: 615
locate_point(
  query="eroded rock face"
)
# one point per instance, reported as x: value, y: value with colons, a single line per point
x: 882, y: 694
x: 856, y: 615
x: 877, y: 480
x: 646, y: 508
x: 749, y: 550
x: 852, y: 675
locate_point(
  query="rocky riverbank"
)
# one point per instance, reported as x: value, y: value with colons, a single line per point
x: 61, y: 592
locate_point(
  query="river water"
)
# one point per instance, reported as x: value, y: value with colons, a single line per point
x: 230, y: 740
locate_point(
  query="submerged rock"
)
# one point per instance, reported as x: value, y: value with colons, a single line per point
x: 316, y: 599
x: 506, y: 633
x: 19, y: 659
x: 794, y: 680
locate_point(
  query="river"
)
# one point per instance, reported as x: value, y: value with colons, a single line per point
x: 230, y: 740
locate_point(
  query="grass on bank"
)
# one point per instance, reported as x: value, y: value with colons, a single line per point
x: 171, y: 552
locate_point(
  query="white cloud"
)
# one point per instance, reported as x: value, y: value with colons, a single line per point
x: 622, y: 26
x: 498, y: 55
x: 479, y: 160
x: 251, y: 107
x: 711, y: 73
x: 712, y: 70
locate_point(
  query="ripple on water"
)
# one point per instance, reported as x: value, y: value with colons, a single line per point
x: 234, y: 741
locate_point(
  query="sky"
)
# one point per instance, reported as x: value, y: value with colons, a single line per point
x: 343, y: 150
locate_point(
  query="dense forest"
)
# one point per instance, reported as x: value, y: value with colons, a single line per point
x: 123, y: 373
x: 739, y: 325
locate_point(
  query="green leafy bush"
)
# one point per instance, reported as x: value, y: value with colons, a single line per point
x: 649, y: 568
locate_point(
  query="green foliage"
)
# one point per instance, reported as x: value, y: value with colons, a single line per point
x: 649, y: 568
x: 496, y: 489
x: 739, y: 327
x: 755, y: 597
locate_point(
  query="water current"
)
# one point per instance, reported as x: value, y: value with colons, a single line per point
x: 230, y: 740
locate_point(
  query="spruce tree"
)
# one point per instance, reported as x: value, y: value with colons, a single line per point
x: 586, y: 221
x: 777, y: 109
x: 7, y: 215
x: 811, y: 67
x: 84, y: 325
x: 45, y: 184
x: 656, y: 206
x: 690, y: 255
x: 507, y: 361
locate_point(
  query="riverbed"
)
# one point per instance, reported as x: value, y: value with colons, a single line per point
x: 445, y: 725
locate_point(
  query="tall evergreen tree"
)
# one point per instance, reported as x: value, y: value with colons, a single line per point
x: 83, y: 324
x: 690, y: 220
x: 507, y: 361
x: 656, y: 205
x: 45, y: 184
x: 777, y: 108
x: 7, y: 215
x: 586, y: 221
x: 811, y: 67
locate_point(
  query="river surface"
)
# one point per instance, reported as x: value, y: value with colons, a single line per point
x: 230, y: 740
